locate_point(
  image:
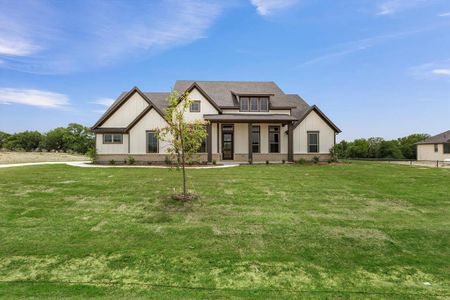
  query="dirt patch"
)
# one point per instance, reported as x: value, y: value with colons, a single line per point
x: 27, y: 157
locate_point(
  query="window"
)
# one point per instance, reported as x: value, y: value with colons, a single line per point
x: 152, y: 142
x: 195, y: 106
x: 446, y: 148
x: 313, y: 141
x: 253, y: 104
x: 436, y: 148
x: 274, y: 139
x: 203, y: 147
x: 264, y: 104
x: 255, y: 139
x: 113, y: 138
x: 244, y: 104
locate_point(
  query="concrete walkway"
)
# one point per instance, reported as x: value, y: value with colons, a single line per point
x: 88, y: 164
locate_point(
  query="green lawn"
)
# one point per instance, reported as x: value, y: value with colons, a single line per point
x: 363, y: 230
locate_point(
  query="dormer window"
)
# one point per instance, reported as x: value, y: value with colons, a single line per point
x: 244, y: 104
x: 254, y: 104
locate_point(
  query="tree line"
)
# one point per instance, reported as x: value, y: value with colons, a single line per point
x: 377, y: 147
x: 74, y: 138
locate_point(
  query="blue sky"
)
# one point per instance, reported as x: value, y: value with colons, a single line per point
x: 375, y: 67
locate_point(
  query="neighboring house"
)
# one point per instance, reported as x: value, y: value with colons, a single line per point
x: 434, y: 148
x: 248, y: 121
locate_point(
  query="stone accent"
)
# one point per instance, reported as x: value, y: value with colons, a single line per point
x: 145, y: 158
x: 310, y: 156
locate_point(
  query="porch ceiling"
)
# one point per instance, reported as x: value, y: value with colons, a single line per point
x: 250, y: 118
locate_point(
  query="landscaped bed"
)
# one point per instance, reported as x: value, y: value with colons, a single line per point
x: 362, y: 230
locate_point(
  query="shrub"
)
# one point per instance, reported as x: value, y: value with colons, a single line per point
x: 214, y: 162
x: 92, y: 153
x: 316, y: 159
x: 283, y: 161
x: 167, y: 160
x: 267, y: 162
x: 301, y: 161
x: 131, y: 160
x: 333, y: 154
x: 112, y: 162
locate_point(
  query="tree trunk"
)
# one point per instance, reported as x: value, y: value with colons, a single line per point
x: 183, y: 162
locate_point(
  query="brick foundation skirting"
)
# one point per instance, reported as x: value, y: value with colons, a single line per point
x: 202, y: 158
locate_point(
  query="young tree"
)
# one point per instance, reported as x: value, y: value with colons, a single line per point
x: 184, y: 138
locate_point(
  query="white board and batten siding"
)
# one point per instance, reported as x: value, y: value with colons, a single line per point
x: 127, y: 112
x: 313, y: 122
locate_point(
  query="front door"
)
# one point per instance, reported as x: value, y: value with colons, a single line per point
x: 227, y: 145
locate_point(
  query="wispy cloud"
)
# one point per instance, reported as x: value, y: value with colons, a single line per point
x: 267, y: 7
x: 359, y: 45
x: 444, y: 14
x: 33, y: 97
x: 440, y: 69
x: 104, y: 101
x: 390, y: 7
x: 445, y: 72
x: 48, y: 37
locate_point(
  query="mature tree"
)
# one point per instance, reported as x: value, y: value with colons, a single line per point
x: 27, y: 141
x: 54, y: 140
x: 3, y: 137
x: 407, y: 144
x: 374, y: 143
x: 184, y: 138
x: 390, y: 149
x: 74, y: 137
x: 358, y: 149
x: 79, y: 138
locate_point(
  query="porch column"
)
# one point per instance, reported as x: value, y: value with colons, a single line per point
x: 290, y: 142
x: 209, y: 141
x: 250, y: 152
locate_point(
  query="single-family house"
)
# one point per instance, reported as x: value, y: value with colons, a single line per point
x: 435, y: 148
x: 247, y: 121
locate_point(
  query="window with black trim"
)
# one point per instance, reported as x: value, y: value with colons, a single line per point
x: 446, y: 148
x: 256, y: 137
x: 313, y: 141
x: 263, y: 104
x: 274, y: 139
x: 112, y: 138
x: 244, y: 103
x: 436, y: 148
x: 254, y: 103
x: 195, y: 106
x: 152, y: 142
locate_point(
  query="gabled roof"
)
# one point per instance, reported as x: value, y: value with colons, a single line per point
x: 120, y: 101
x: 221, y: 94
x: 266, y: 118
x: 303, y: 115
x: 441, y: 138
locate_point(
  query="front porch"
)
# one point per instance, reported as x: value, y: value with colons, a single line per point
x: 248, y: 138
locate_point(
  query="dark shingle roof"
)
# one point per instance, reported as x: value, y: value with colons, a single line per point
x: 437, y: 139
x: 223, y: 92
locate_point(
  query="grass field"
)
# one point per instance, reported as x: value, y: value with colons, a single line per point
x: 357, y: 231
x: 10, y: 157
